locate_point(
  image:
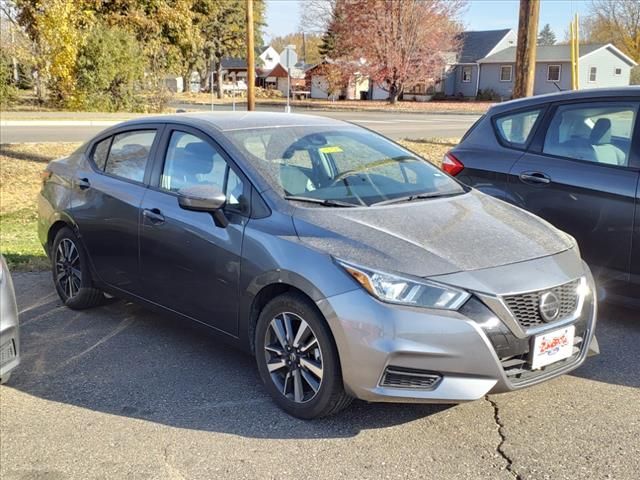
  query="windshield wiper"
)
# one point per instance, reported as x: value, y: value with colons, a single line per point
x: 320, y: 201
x: 410, y: 198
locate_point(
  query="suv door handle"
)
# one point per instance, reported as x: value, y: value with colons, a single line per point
x: 83, y: 183
x: 534, y: 177
x: 154, y: 215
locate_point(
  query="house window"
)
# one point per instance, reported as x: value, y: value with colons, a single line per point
x: 553, y: 73
x: 593, y: 73
x: 466, y: 74
x: 505, y: 73
x: 618, y: 71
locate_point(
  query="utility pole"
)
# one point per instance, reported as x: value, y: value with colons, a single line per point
x: 526, y: 48
x: 251, y: 65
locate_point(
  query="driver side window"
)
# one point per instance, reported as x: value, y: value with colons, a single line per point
x: 191, y: 161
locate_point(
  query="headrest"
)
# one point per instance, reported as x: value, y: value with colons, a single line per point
x: 601, y: 132
x: 197, y: 159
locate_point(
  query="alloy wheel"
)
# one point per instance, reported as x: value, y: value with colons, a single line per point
x: 294, y: 357
x: 68, y: 272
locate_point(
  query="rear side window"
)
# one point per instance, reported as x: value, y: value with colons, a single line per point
x: 129, y: 154
x: 516, y: 129
x: 598, y: 133
x: 100, y: 153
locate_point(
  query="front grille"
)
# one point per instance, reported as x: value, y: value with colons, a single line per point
x: 525, y: 307
x: 517, y: 367
x: 398, y: 377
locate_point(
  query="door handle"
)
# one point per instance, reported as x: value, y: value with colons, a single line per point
x: 154, y: 215
x: 535, y: 177
x: 83, y: 183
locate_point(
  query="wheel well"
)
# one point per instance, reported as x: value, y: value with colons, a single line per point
x: 263, y: 297
x: 53, y: 231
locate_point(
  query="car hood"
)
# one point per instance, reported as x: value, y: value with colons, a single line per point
x: 431, y: 237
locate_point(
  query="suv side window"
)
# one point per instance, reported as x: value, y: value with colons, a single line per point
x: 515, y: 129
x: 192, y: 161
x: 129, y: 154
x: 598, y: 133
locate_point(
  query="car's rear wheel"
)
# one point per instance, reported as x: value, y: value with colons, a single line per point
x: 297, y: 358
x: 71, y: 274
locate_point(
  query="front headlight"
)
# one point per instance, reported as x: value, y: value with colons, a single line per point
x: 393, y: 288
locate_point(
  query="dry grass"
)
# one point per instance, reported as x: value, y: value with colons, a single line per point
x: 20, y: 168
x: 433, y: 149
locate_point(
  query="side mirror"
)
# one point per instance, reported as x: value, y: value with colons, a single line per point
x: 204, y: 198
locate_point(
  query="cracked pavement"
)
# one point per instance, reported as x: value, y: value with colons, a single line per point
x: 120, y: 391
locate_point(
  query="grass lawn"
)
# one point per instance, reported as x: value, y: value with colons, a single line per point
x: 20, y: 168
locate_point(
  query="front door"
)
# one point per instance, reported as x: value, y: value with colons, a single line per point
x: 188, y: 263
x: 582, y: 177
x: 108, y: 192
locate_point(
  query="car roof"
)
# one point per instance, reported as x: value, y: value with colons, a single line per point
x: 228, y: 121
x: 569, y: 95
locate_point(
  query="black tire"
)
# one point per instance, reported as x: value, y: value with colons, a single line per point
x: 330, y: 397
x: 77, y: 293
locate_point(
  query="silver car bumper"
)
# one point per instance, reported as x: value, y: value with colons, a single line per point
x: 446, y: 357
x: 9, y: 327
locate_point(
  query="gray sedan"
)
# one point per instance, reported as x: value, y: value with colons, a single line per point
x: 346, y: 264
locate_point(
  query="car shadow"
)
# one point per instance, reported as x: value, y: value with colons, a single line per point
x: 125, y: 360
x: 9, y: 150
x: 618, y: 334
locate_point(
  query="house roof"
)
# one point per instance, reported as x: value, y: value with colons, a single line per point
x: 544, y: 53
x: 233, y: 63
x: 478, y: 44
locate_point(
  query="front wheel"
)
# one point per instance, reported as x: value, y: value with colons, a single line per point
x: 297, y: 358
x: 71, y: 274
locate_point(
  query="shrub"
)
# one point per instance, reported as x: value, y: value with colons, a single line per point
x: 7, y: 88
x: 109, y: 68
x: 488, y: 94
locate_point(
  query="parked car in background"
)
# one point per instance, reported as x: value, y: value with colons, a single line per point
x: 347, y: 265
x: 9, y: 325
x: 572, y: 158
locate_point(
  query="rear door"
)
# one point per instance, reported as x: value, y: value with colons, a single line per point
x: 106, y: 202
x: 492, y: 146
x: 581, y: 174
x: 188, y: 263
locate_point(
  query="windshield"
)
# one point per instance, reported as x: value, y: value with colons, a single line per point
x: 350, y: 165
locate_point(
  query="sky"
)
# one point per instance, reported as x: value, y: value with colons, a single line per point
x: 283, y: 16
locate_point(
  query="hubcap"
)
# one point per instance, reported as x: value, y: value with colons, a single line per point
x: 294, y: 357
x: 68, y: 273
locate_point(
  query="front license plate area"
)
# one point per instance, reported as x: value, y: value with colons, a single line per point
x: 7, y: 352
x: 551, y: 347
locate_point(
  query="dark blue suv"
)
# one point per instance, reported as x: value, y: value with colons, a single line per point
x: 573, y: 158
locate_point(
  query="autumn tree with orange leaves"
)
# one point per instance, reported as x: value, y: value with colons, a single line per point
x: 402, y: 42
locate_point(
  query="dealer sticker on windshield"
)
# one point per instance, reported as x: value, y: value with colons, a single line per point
x: 551, y: 347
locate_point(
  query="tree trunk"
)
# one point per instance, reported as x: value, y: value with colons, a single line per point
x: 393, y: 93
x: 219, y: 80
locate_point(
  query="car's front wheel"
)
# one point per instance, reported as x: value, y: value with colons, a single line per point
x: 71, y: 274
x: 297, y: 358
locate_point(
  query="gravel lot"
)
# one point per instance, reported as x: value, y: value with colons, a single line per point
x: 120, y: 391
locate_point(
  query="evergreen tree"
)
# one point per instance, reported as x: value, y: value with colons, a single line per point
x: 546, y: 36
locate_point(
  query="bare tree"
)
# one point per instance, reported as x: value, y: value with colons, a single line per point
x: 316, y: 15
x: 615, y: 21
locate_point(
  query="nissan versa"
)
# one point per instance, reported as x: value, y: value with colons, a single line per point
x: 346, y: 264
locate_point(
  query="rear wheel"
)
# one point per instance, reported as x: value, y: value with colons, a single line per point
x: 71, y: 275
x: 297, y: 358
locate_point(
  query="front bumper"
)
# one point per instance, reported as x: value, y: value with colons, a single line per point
x: 469, y: 358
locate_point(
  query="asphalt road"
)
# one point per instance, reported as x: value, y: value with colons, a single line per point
x: 120, y: 392
x: 394, y: 125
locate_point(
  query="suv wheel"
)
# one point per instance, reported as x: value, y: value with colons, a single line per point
x: 71, y: 275
x: 297, y: 358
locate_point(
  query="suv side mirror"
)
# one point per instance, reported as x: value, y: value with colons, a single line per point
x: 205, y: 198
